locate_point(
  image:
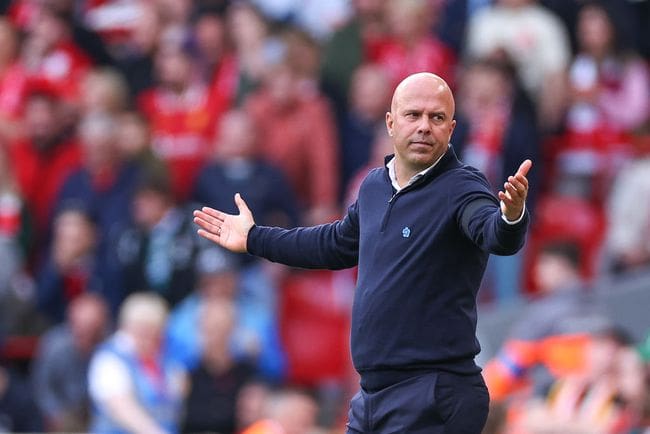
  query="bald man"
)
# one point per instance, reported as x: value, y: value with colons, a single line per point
x: 421, y: 231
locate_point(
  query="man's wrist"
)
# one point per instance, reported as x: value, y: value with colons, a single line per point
x: 519, y: 219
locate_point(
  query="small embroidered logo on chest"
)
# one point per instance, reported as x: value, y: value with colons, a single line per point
x: 406, y: 232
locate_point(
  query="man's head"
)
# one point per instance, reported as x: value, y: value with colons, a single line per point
x: 88, y: 319
x: 294, y: 410
x: 557, y: 267
x: 98, y: 135
x: 143, y: 317
x: 217, y: 322
x: 43, y: 120
x: 217, y: 274
x: 173, y: 67
x: 236, y: 137
x: 370, y: 91
x: 420, y: 121
x: 153, y: 198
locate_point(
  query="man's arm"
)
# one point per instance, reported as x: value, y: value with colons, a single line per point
x: 334, y: 245
x: 498, y: 230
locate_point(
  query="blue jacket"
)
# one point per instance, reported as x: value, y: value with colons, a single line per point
x: 421, y: 254
x: 160, y: 401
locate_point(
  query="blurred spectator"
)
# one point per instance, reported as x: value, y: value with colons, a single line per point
x: 256, y: 336
x: 104, y: 91
x: 317, y: 18
x: 157, y: 251
x: 44, y: 158
x: 605, y: 76
x: 369, y: 102
x: 628, y: 237
x: 287, y: 412
x: 452, y: 23
x: 249, y: 34
x: 251, y: 403
x: 217, y: 380
x: 68, y: 270
x: 12, y: 82
x: 134, y: 142
x: 175, y: 16
x: 215, y: 63
x: 17, y: 302
x: 605, y: 397
x: 50, y: 54
x: 552, y: 332
x: 18, y: 412
x: 497, y: 131
x: 500, y: 129
x: 303, y: 56
x: 15, y: 228
x: 135, y: 54
x: 537, y: 42
x: 104, y: 186
x: 133, y: 385
x: 348, y: 48
x: 410, y: 46
x: 60, y: 366
x: 238, y: 168
x: 299, y: 136
x: 380, y: 148
x: 181, y: 115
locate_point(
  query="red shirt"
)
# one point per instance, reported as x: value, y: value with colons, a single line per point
x: 63, y: 69
x: 182, y: 129
x: 41, y: 175
x: 300, y: 139
x: 13, y: 87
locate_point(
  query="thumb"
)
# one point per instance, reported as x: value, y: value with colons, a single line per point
x: 241, y: 205
x: 525, y: 167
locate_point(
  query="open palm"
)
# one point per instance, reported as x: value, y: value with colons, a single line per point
x: 227, y: 230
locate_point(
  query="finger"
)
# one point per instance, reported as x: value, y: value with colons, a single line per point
x: 518, y: 185
x: 507, y: 201
x: 214, y: 213
x: 241, y: 205
x: 512, y: 191
x: 524, y: 167
x: 210, y: 236
x: 521, y: 178
x: 215, y: 229
x: 208, y: 218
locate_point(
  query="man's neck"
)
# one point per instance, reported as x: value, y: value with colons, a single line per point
x: 404, y: 172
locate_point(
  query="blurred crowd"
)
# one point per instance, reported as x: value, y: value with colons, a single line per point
x: 118, y: 117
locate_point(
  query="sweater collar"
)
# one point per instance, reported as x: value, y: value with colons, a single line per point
x: 446, y: 161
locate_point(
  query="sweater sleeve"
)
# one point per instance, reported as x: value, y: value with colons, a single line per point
x: 479, y: 218
x: 332, y: 246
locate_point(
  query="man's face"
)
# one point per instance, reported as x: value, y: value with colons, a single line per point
x: 421, y: 123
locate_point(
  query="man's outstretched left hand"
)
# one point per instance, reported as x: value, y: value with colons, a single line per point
x: 515, y: 190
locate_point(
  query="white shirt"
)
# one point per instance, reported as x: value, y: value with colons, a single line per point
x: 109, y: 375
x: 393, y: 179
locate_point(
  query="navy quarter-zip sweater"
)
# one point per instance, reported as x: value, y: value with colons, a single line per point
x: 421, y: 253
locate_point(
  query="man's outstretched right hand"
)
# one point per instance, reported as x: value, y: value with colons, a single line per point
x: 227, y: 230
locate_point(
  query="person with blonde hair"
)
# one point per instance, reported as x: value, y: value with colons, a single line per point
x: 134, y: 386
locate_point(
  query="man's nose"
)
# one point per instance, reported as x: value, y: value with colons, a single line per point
x: 424, y: 126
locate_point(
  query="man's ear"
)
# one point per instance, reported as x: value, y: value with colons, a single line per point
x: 389, y: 123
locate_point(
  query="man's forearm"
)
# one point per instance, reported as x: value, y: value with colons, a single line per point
x: 323, y: 246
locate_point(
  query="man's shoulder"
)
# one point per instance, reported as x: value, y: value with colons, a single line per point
x: 377, y: 174
x: 466, y: 174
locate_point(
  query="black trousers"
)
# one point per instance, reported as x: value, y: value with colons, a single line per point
x: 432, y: 403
